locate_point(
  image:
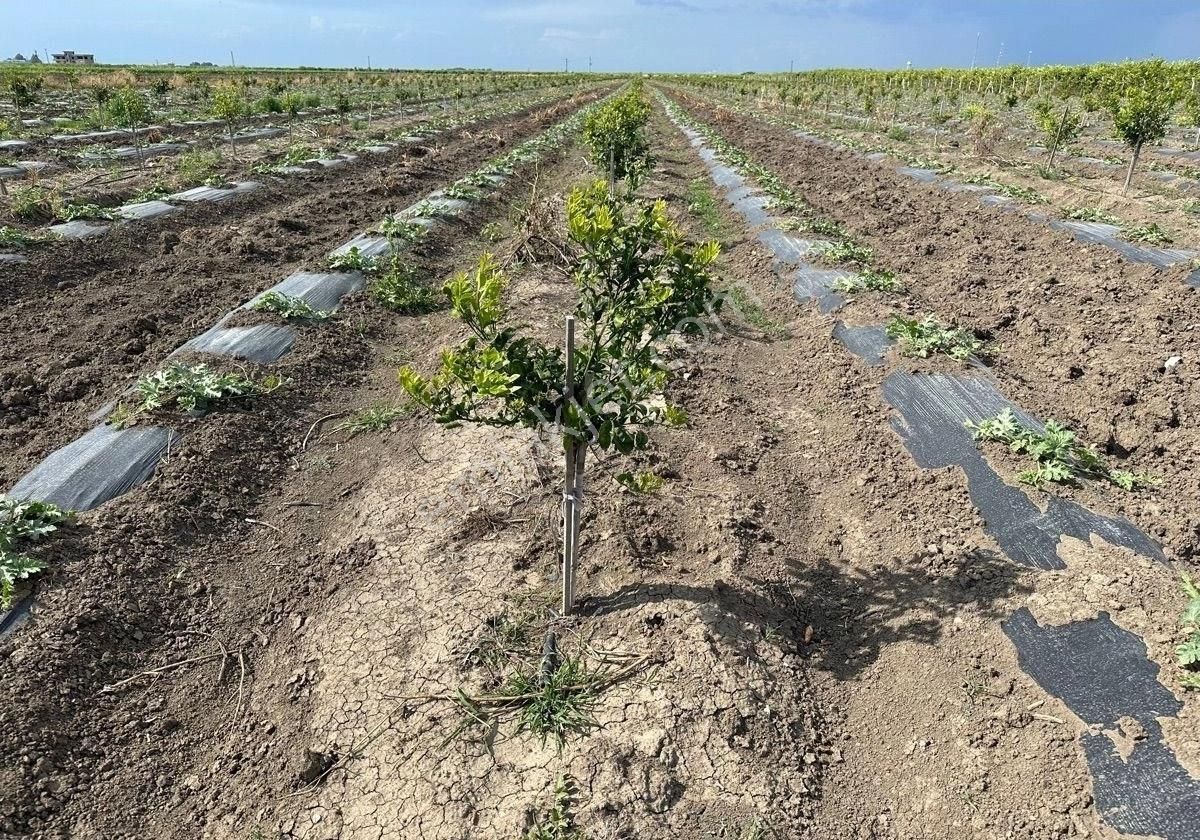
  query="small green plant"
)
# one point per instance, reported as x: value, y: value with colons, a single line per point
x: 870, y: 280
x: 70, y: 212
x: 925, y: 337
x: 23, y: 522
x: 642, y: 483
x: 189, y: 388
x: 196, y: 167
x: 352, y: 259
x: 939, y: 166
x: 813, y: 224
x: 898, y: 133
x: 376, y: 418
x: 1090, y: 214
x: 753, y: 830
x: 1187, y: 654
x: 753, y: 313
x: 297, y: 154
x: 703, y: 205
x: 1057, y: 452
x: 395, y: 285
x: 463, y: 191
x: 32, y: 203
x: 290, y: 308
x: 154, y: 192
x: 493, y: 232
x: 558, y: 705
x: 11, y: 237
x: 558, y: 824
x: 402, y: 231
x: 1151, y: 234
x: 1026, y: 194
x: 844, y: 252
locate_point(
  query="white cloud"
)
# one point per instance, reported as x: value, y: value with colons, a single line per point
x: 552, y: 13
x: 357, y: 28
x: 574, y: 36
x: 316, y: 23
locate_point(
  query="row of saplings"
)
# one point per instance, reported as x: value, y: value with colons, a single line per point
x: 639, y: 283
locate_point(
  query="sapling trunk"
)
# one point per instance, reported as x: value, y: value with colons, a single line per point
x: 1137, y: 151
x: 1058, y: 137
x: 137, y: 147
x: 232, y: 154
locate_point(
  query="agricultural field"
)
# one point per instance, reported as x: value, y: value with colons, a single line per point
x: 567, y: 455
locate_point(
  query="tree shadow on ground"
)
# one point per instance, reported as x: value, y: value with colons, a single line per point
x: 854, y: 614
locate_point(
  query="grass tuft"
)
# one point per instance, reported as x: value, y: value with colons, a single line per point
x: 703, y: 205
x: 376, y: 418
x: 556, y: 706
x: 753, y: 314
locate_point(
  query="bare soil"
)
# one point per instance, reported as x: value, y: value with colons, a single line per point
x: 1074, y: 182
x: 105, y: 311
x: 806, y: 622
x: 111, y: 186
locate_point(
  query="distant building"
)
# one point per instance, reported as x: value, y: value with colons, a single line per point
x: 72, y: 57
x: 20, y: 59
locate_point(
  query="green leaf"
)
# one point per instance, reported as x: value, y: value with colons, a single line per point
x: 1188, y: 653
x: 642, y: 483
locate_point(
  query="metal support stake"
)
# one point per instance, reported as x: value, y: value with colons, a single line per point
x: 570, y: 500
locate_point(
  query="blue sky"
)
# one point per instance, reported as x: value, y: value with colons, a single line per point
x: 653, y: 35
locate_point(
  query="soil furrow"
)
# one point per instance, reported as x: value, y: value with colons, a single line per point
x: 1138, y: 589
x: 81, y: 344
x: 167, y: 543
x: 118, y: 187
x: 1043, y: 298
